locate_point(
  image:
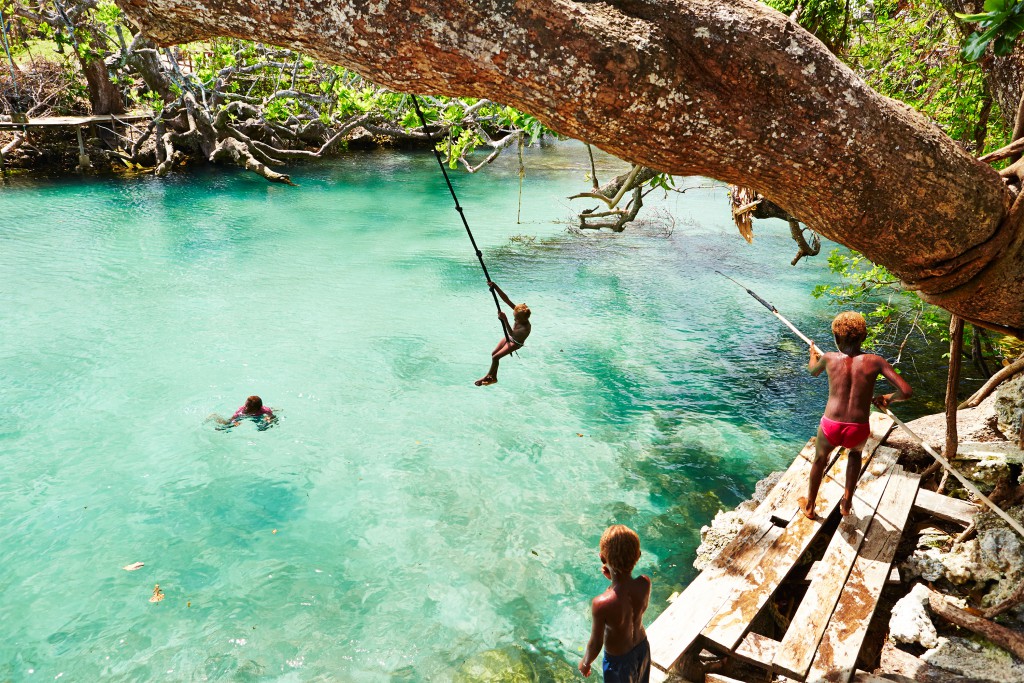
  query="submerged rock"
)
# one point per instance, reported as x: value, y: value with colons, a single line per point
x: 514, y: 665
x: 910, y: 622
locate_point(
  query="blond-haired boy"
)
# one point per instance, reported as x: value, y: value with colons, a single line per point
x: 515, y: 335
x: 618, y: 612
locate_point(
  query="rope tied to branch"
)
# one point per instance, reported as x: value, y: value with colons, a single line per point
x: 461, y: 212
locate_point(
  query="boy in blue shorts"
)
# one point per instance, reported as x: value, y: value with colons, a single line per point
x: 618, y: 612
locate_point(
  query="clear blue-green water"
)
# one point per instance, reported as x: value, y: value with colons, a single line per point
x: 399, y: 521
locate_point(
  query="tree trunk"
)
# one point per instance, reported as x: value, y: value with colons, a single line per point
x: 104, y: 96
x: 732, y: 91
x: 1008, y: 639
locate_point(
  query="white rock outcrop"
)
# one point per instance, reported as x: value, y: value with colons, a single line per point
x: 910, y: 622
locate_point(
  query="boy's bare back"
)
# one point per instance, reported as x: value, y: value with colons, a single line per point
x: 621, y: 609
x: 851, y: 384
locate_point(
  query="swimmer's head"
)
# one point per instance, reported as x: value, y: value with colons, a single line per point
x: 521, y: 312
x: 253, y: 404
x: 620, y: 548
x: 849, y: 328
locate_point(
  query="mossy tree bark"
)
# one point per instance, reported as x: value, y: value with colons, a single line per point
x: 732, y: 91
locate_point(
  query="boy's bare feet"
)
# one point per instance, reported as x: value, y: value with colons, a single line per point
x: 802, y: 502
x: 845, y: 505
x: 486, y: 380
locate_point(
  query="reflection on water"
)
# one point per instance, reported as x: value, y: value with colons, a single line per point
x: 399, y: 523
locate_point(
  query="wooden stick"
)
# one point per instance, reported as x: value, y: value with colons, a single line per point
x: 956, y: 346
x: 994, y: 381
x: 790, y: 326
x: 1005, y: 638
x: 963, y: 480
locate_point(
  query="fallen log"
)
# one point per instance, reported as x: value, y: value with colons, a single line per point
x: 1008, y: 639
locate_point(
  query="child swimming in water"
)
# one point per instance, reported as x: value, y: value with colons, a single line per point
x: 618, y: 613
x: 517, y: 335
x: 851, y: 382
x: 253, y: 408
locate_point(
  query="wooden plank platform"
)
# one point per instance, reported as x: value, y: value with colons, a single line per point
x: 808, y: 623
x: 678, y: 628
x: 752, y: 592
x: 836, y: 658
x: 73, y: 121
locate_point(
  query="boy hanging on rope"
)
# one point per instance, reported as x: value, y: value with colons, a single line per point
x: 517, y: 335
x: 851, y: 383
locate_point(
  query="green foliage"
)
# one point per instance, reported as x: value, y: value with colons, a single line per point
x: 911, y: 53
x: 1000, y: 23
x: 109, y: 13
x: 893, y: 314
x: 455, y: 147
x: 828, y: 20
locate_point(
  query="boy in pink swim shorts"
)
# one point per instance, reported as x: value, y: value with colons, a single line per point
x: 851, y: 384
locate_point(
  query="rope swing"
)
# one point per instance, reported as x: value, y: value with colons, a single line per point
x: 458, y: 207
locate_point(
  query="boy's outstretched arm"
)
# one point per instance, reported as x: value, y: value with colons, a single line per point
x: 504, y: 297
x: 817, y: 361
x: 903, y: 390
x: 596, y: 640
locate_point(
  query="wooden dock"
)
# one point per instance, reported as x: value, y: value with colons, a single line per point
x: 721, y: 610
x: 108, y: 122
x: 73, y: 121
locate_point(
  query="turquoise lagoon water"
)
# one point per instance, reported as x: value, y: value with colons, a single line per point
x: 399, y: 523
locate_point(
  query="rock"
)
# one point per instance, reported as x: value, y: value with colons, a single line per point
x: 1000, y: 552
x: 909, y: 622
x: 764, y: 487
x: 1009, y: 407
x: 726, y: 525
x: 360, y: 138
x: 515, y: 665
x: 992, y: 563
x: 723, y: 529
x: 975, y: 659
x: 925, y: 563
x: 972, y: 424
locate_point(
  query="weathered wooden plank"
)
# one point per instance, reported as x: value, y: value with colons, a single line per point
x: 67, y: 121
x: 674, y: 631
x: 819, y: 566
x: 753, y: 590
x: 808, y: 623
x: 836, y: 658
x: 757, y: 649
x: 944, y: 507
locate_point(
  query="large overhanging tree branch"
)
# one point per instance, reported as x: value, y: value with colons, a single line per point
x: 732, y: 91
